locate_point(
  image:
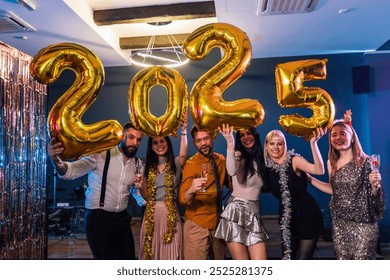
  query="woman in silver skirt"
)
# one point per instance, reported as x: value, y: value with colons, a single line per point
x: 240, y: 224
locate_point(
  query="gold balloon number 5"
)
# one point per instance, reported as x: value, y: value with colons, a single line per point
x: 292, y: 94
x: 64, y: 120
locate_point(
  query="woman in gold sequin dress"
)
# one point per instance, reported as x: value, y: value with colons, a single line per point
x: 358, y: 201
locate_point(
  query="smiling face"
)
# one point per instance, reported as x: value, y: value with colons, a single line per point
x: 341, y: 138
x: 131, y: 142
x: 247, y: 139
x: 275, y: 146
x: 203, y: 142
x: 159, y: 146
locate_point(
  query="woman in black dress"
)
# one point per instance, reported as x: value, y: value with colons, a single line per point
x: 300, y: 218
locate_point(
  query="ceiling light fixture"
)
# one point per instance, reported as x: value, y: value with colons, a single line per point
x: 25, y: 3
x: 171, y: 56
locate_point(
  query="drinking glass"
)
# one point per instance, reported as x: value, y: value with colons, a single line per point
x: 204, y: 173
x: 375, y: 163
x: 139, y: 170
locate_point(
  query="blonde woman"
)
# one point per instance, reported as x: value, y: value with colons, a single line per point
x: 300, y: 217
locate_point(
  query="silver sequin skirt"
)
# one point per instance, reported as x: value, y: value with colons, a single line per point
x: 240, y: 222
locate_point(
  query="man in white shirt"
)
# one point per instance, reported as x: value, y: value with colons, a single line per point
x: 107, y: 221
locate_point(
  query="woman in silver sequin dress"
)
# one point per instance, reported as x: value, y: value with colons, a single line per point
x: 300, y: 218
x: 358, y: 200
x: 241, y: 225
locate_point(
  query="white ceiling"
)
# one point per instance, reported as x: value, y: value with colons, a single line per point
x: 365, y: 27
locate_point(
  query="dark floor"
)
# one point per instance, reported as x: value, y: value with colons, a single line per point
x: 58, y: 245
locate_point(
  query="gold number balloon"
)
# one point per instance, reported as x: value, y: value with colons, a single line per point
x: 139, y: 104
x: 64, y: 120
x: 208, y: 109
x: 292, y: 94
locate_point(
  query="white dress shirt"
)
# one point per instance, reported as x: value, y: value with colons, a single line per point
x: 120, y: 177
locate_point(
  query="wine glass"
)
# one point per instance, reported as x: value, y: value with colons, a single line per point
x: 204, y: 173
x: 139, y: 170
x: 375, y: 163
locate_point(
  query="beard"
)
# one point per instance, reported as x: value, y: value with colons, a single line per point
x: 206, y: 147
x: 128, y: 151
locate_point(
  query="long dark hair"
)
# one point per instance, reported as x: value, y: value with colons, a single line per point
x: 152, y: 158
x: 254, y: 154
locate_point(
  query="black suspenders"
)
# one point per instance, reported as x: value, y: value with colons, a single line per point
x: 104, y: 179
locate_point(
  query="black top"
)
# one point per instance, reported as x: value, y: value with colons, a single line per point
x: 306, y: 220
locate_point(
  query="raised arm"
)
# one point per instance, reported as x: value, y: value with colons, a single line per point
x: 316, y: 168
x: 322, y: 186
x: 183, y: 142
x: 227, y: 133
x: 54, y: 151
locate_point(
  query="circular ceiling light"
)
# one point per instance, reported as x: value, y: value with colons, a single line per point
x: 164, y: 57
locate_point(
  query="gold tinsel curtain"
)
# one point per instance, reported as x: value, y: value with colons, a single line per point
x: 23, y: 140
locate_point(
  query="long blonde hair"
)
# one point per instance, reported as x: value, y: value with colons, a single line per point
x: 269, y: 136
x: 357, y: 152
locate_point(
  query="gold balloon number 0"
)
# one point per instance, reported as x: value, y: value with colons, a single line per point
x: 64, y: 119
x: 139, y: 100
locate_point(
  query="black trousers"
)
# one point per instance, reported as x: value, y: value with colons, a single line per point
x: 109, y: 234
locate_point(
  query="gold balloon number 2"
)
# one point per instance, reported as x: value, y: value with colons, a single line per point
x: 64, y: 120
x: 208, y: 108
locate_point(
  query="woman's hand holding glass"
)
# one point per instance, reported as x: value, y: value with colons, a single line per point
x: 375, y: 176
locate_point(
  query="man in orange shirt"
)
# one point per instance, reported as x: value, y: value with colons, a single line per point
x: 202, y: 200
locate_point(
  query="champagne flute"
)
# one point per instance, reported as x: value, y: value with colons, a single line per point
x: 139, y: 170
x: 204, y: 173
x: 375, y: 163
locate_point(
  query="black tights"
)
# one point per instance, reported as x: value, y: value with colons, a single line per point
x: 302, y: 249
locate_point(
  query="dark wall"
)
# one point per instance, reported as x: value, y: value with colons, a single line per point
x: 258, y: 82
